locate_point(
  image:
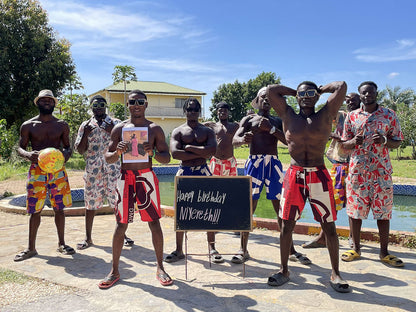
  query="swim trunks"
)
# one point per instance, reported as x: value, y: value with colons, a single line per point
x: 370, y: 190
x: 265, y: 170
x: 223, y: 167
x: 339, y: 173
x: 40, y: 183
x: 313, y: 183
x: 138, y: 191
x: 193, y: 171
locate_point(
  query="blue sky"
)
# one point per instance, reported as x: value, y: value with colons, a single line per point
x: 203, y: 44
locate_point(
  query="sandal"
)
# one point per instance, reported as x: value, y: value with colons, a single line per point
x: 164, y: 279
x: 128, y: 242
x: 108, y: 282
x: 83, y: 245
x: 66, y: 250
x: 240, y: 258
x: 25, y: 254
x: 301, y: 258
x: 215, y: 255
x: 173, y: 257
x: 392, y: 260
x: 350, y: 255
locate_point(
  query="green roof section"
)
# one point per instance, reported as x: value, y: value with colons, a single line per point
x: 153, y: 87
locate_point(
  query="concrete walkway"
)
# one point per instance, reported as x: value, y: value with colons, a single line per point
x: 376, y: 287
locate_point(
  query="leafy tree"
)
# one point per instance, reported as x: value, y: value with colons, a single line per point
x: 31, y: 58
x: 124, y: 74
x: 240, y: 94
x: 407, y: 116
x: 74, y: 111
x: 118, y: 110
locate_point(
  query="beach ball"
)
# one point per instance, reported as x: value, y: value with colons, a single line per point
x: 51, y: 160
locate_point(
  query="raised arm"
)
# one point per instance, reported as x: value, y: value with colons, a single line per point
x: 276, y: 94
x: 335, y: 100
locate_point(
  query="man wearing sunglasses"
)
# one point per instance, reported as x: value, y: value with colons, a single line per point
x: 138, y: 186
x: 192, y: 143
x: 100, y: 178
x: 306, y: 134
x: 263, y: 132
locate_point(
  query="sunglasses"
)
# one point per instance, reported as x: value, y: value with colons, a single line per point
x: 307, y: 93
x: 190, y: 109
x: 139, y: 102
x: 98, y: 105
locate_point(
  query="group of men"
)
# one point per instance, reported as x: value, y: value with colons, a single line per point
x: 359, y: 150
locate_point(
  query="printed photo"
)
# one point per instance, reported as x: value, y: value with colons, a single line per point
x: 136, y: 136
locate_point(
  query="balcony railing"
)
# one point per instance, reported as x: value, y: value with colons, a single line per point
x: 163, y: 111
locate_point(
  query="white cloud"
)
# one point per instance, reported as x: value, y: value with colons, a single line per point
x: 402, y: 50
x: 393, y: 75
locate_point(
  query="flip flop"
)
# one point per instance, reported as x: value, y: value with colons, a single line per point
x: 66, y: 250
x: 240, y: 258
x: 301, y: 258
x: 108, y: 282
x: 313, y: 244
x: 25, y: 254
x: 340, y: 287
x: 83, y: 245
x: 128, y: 242
x: 215, y: 255
x: 277, y: 279
x: 350, y: 255
x: 392, y: 260
x: 164, y: 279
x: 173, y: 257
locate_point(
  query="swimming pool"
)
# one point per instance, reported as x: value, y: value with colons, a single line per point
x: 404, y: 210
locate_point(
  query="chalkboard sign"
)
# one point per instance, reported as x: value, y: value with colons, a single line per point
x: 213, y: 203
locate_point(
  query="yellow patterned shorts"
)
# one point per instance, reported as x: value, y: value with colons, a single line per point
x: 40, y: 183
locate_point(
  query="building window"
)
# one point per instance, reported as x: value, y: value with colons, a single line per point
x: 179, y: 103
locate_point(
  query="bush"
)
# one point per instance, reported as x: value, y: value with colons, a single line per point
x: 8, y: 139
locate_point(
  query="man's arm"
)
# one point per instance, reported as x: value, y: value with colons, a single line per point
x: 275, y: 95
x: 207, y: 150
x: 335, y: 100
x: 23, y: 143
x: 115, y: 147
x: 243, y: 135
x: 67, y: 151
x: 81, y: 144
x: 161, y: 151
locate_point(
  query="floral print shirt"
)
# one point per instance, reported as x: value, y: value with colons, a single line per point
x: 370, y: 157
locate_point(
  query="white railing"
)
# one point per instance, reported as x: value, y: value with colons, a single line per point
x: 162, y: 111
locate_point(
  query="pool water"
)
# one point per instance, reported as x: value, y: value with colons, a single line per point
x: 404, y: 210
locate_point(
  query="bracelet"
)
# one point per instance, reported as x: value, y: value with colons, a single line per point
x: 385, y: 140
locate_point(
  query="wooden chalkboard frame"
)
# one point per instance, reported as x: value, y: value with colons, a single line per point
x: 236, y: 200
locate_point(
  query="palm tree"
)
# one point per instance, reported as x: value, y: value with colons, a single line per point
x: 392, y: 97
x: 125, y: 74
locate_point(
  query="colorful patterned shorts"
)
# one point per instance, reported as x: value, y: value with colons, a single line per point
x: 138, y: 191
x: 339, y: 174
x: 313, y: 183
x: 99, y: 185
x: 265, y: 170
x: 223, y: 167
x: 40, y: 183
x: 370, y: 190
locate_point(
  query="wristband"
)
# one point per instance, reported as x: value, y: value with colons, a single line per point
x: 385, y: 140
